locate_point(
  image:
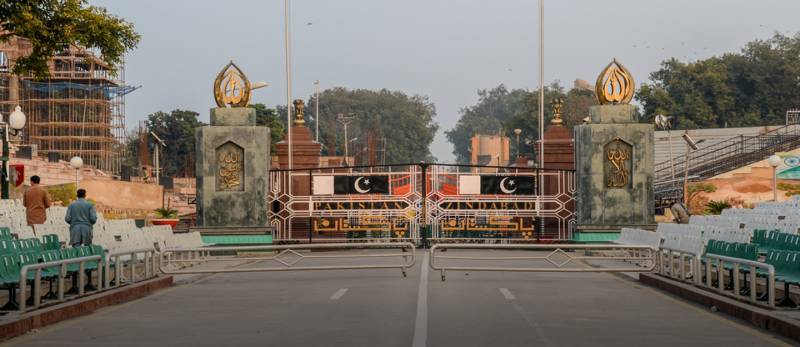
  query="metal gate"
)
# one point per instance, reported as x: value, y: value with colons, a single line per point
x: 419, y: 202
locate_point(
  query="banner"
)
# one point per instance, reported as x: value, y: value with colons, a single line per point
x: 373, y: 184
x: 509, y: 185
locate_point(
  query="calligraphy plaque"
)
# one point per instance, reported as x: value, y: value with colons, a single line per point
x: 618, y: 163
x: 230, y: 167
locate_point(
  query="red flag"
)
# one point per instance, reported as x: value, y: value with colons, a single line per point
x: 17, y: 174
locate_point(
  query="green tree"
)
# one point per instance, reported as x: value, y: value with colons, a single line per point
x: 500, y: 110
x: 53, y: 26
x: 269, y: 117
x: 715, y: 207
x: 177, y: 130
x: 751, y: 88
x: 406, y: 122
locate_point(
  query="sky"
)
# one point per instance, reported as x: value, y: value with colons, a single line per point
x: 446, y: 50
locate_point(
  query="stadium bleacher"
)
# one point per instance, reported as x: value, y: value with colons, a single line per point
x: 754, y: 239
x: 22, y: 245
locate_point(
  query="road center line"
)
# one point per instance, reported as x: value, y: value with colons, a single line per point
x: 507, y: 294
x: 339, y: 294
x: 421, y: 323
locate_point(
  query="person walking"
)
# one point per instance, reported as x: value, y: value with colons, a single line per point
x: 81, y: 216
x: 36, y: 201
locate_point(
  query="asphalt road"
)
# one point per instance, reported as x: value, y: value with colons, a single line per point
x: 382, y: 308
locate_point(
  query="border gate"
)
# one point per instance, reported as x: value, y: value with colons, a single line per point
x: 419, y: 202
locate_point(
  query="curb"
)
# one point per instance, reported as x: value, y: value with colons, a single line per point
x: 24, y: 323
x: 761, y: 318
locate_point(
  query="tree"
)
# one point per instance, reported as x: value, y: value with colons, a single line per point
x: 405, y: 122
x: 269, y: 117
x: 695, y: 201
x: 53, y: 26
x: 500, y: 111
x: 751, y: 88
x: 715, y: 207
x: 177, y: 129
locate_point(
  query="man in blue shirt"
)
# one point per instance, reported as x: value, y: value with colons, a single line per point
x: 81, y: 216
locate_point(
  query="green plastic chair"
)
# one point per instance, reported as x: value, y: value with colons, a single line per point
x: 5, y: 233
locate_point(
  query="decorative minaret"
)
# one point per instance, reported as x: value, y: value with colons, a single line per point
x: 305, y: 151
x: 232, y: 161
x: 614, y: 160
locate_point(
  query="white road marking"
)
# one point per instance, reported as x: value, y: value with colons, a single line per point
x: 339, y: 294
x: 421, y: 323
x: 507, y: 294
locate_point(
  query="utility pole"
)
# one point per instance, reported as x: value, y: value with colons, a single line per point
x: 288, y: 51
x: 316, y: 110
x: 345, y: 120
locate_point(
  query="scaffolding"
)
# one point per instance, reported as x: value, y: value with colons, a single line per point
x: 78, y: 111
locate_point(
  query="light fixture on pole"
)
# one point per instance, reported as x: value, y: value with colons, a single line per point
x: 76, y: 163
x: 691, y: 146
x: 517, y: 131
x: 16, y: 121
x: 663, y: 123
x: 345, y: 120
x: 156, y: 164
x: 288, y: 52
x: 316, y: 111
x: 774, y: 161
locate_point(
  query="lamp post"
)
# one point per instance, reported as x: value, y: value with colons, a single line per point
x: 316, y: 110
x: 16, y: 121
x: 76, y: 163
x: 517, y: 132
x: 775, y: 161
x: 345, y: 120
x: 288, y: 52
x: 664, y: 123
x: 691, y: 145
x: 159, y: 144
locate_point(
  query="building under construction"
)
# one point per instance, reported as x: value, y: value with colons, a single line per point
x: 78, y: 111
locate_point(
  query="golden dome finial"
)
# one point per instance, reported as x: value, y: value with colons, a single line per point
x: 231, y: 87
x: 615, y: 84
x: 557, y: 104
x: 299, y: 112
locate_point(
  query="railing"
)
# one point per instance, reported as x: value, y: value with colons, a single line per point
x: 287, y: 257
x: 737, y: 264
x: 559, y: 256
x: 725, y: 156
x: 674, y: 268
x: 734, y: 147
x: 150, y: 261
x: 103, y: 265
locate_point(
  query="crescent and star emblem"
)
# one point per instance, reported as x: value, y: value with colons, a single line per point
x: 357, y: 185
x: 505, y: 189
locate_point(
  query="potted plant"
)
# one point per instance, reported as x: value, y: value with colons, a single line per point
x: 166, y: 216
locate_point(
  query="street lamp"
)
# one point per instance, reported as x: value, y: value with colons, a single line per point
x: 316, y: 110
x: 691, y: 145
x: 517, y: 132
x: 16, y: 121
x: 663, y: 122
x: 345, y: 120
x: 76, y: 163
x: 775, y: 161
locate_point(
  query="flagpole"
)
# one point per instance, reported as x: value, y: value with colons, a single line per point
x: 287, y: 48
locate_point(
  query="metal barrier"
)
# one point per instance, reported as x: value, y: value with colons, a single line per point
x: 150, y: 259
x: 644, y: 256
x: 674, y: 268
x: 287, y: 256
x: 736, y: 264
x: 103, y: 265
